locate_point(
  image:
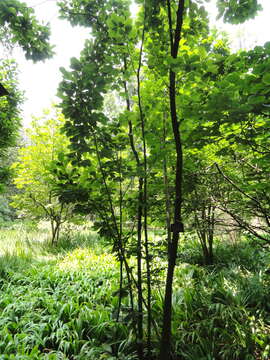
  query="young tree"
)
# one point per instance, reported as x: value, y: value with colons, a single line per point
x: 34, y: 173
x: 167, y: 47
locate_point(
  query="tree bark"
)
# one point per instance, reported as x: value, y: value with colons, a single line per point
x: 177, y: 227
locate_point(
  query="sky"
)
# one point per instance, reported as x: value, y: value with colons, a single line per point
x: 40, y: 81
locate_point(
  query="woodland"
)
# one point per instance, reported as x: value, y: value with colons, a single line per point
x: 135, y: 213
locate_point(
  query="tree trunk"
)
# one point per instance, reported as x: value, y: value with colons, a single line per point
x: 177, y: 227
x: 166, y: 184
x: 145, y: 199
x: 139, y: 232
x: 139, y: 271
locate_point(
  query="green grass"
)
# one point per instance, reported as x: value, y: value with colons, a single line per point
x: 59, y: 302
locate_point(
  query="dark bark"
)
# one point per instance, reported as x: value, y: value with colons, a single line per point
x: 166, y: 184
x: 165, y: 349
x: 205, y: 229
x: 3, y: 91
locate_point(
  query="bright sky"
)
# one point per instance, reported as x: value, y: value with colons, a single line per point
x: 40, y: 81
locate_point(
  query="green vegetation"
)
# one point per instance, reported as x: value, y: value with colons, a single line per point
x: 161, y: 145
x: 36, y: 174
x: 18, y: 26
x: 61, y: 303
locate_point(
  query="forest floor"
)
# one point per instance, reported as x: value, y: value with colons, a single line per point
x: 60, y: 302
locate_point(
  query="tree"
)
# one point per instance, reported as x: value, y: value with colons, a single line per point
x: 235, y: 121
x: 18, y: 25
x: 165, y: 65
x: 34, y: 173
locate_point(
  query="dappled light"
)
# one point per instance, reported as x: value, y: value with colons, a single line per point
x: 84, y: 258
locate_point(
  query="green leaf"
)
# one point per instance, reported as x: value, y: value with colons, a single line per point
x: 266, y: 78
x: 256, y: 99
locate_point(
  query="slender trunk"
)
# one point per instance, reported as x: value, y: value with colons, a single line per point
x: 120, y: 290
x: 145, y: 201
x: 211, y: 217
x: 139, y: 232
x: 148, y: 274
x: 57, y: 231
x: 166, y: 183
x: 177, y: 227
x: 121, y: 247
x: 202, y: 235
x: 53, y: 231
x: 117, y: 233
x: 139, y: 271
x: 120, y: 236
x: 108, y: 193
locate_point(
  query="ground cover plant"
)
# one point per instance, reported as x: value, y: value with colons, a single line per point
x: 62, y: 303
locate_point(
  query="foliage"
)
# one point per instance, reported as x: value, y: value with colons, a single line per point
x: 236, y: 126
x: 18, y: 21
x: 187, y: 107
x: 9, y: 114
x: 75, y: 325
x: 6, y: 212
x: 63, y: 305
x: 18, y: 25
x: 34, y: 173
x: 9, y: 106
x: 183, y: 94
x: 237, y: 11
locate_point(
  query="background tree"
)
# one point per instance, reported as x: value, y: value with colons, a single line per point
x: 237, y: 138
x: 34, y: 173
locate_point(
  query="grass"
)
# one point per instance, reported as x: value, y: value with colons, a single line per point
x: 59, y: 303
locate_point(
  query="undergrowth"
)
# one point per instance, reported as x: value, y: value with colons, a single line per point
x: 60, y: 303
